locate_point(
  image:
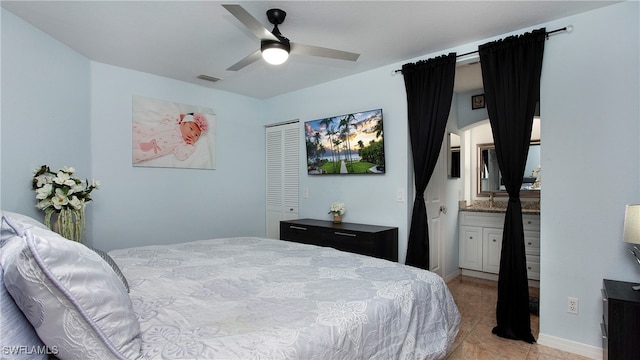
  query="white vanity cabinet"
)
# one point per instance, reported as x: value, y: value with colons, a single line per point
x: 481, y: 243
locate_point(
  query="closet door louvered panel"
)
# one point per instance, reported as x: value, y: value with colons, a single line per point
x: 275, y: 153
x: 291, y: 172
x: 282, y: 142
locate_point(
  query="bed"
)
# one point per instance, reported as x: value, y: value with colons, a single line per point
x: 229, y: 298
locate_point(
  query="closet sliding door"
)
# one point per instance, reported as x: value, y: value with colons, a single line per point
x: 283, y: 162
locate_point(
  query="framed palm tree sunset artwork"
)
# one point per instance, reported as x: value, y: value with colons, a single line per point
x: 346, y: 144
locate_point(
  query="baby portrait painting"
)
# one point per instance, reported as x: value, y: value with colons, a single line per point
x: 168, y: 134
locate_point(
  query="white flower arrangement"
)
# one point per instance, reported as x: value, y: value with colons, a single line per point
x: 65, y: 195
x: 337, y: 208
x: 61, y: 189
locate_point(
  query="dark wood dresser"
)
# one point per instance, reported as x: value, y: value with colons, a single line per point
x: 372, y: 240
x: 621, y: 320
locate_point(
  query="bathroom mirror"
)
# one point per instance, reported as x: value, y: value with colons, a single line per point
x: 454, y: 155
x: 489, y: 179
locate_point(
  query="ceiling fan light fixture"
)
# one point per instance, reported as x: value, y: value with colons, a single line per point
x: 274, y: 52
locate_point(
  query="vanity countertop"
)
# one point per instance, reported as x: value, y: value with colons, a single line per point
x: 500, y: 207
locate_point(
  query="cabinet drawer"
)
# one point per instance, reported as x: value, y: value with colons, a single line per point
x: 531, y: 242
x: 495, y: 220
x: 531, y: 222
x: 533, y: 270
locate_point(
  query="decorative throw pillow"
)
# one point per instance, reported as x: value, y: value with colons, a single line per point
x: 71, y: 296
x: 22, y: 221
x: 113, y: 265
x: 19, y: 339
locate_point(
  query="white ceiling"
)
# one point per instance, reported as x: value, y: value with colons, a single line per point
x: 183, y: 39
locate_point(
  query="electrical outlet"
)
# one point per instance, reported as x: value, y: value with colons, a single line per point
x: 572, y: 305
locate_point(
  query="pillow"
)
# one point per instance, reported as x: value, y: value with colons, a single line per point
x: 22, y: 221
x: 113, y: 265
x: 71, y: 296
x: 19, y: 339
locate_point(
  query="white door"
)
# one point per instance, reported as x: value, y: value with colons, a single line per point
x: 434, y: 198
x: 282, y: 175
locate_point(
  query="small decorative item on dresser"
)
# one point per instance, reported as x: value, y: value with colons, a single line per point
x: 337, y: 209
x: 63, y: 198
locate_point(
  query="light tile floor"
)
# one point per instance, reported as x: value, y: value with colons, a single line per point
x: 476, y: 300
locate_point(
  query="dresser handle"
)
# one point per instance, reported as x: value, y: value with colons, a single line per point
x: 494, y: 240
x: 345, y: 234
x: 297, y: 227
x: 529, y: 243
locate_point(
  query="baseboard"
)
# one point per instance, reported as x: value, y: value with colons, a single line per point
x: 480, y: 274
x: 589, y: 351
x: 452, y: 276
x: 494, y: 277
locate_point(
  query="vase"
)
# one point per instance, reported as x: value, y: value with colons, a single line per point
x: 69, y: 223
x: 337, y: 219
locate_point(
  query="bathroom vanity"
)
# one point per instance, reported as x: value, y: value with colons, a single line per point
x: 480, y: 235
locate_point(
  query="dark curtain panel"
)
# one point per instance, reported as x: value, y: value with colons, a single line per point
x: 429, y: 86
x: 511, y: 71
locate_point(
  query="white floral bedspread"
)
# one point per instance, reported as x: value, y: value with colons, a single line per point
x: 254, y: 298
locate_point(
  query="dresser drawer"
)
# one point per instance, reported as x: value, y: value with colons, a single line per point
x: 371, y: 240
x: 621, y: 320
x: 352, y: 242
x: 297, y: 233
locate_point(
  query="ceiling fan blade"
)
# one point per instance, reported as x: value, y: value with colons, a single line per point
x: 257, y: 55
x: 311, y: 50
x: 250, y: 22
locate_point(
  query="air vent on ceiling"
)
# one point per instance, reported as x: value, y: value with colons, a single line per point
x: 207, y: 78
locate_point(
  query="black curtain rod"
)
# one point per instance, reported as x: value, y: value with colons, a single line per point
x: 476, y: 51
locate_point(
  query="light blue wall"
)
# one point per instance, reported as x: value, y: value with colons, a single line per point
x: 590, y: 91
x: 45, y: 111
x: 141, y: 205
x: 590, y: 126
x: 591, y: 122
x: 59, y: 108
x: 466, y: 115
x: 370, y: 199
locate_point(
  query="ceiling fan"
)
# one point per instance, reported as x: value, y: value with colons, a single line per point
x: 274, y: 43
